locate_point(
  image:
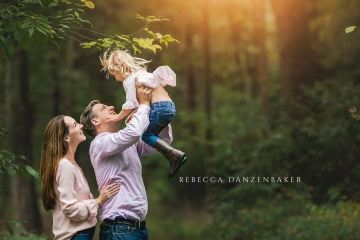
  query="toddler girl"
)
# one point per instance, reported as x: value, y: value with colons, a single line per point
x: 126, y: 68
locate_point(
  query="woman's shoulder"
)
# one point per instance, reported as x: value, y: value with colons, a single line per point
x: 64, y: 161
x: 66, y: 165
x: 66, y: 170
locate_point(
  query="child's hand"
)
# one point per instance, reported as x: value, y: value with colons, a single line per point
x: 118, y: 117
x: 114, y: 118
x: 129, y: 117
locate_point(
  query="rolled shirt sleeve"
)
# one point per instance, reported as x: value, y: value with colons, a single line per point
x: 165, y: 75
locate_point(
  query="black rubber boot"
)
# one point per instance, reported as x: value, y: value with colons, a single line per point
x: 176, y: 157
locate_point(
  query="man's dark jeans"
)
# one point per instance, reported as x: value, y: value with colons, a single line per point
x: 122, y: 231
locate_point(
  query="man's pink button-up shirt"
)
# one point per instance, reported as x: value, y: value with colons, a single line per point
x: 116, y: 159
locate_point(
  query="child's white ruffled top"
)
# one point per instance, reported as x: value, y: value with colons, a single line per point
x: 162, y: 75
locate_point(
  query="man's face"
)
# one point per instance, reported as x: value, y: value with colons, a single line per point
x: 103, y: 112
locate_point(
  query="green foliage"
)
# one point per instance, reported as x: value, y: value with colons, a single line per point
x: 287, y: 220
x: 17, y: 232
x: 28, y: 21
x: 323, y: 222
x: 9, y: 164
x: 132, y: 42
x: 350, y: 29
x: 12, y: 164
x: 256, y: 222
x: 354, y: 113
x: 316, y: 140
x: 8, y: 226
x: 312, y: 136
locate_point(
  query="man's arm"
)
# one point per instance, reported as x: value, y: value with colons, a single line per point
x: 144, y: 149
x: 111, y: 144
x: 114, y: 143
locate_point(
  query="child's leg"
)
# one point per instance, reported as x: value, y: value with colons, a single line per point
x: 161, y: 114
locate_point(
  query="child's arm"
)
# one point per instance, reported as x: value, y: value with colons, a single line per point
x: 129, y: 117
x: 118, y: 117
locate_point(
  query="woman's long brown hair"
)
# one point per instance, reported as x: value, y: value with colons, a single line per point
x: 52, y: 150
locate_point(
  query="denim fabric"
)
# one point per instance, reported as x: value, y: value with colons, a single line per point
x: 161, y: 114
x: 86, y: 234
x: 122, y: 231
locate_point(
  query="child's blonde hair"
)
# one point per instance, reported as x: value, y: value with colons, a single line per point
x: 122, y: 62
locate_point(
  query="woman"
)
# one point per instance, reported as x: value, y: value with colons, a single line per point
x: 64, y: 188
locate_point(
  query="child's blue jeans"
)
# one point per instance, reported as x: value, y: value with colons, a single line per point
x: 161, y: 114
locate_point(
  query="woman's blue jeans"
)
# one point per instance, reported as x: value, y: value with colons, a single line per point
x: 86, y: 234
x: 161, y: 114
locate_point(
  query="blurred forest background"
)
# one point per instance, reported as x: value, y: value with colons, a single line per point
x: 264, y: 89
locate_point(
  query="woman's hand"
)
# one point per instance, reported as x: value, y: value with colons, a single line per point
x: 129, y: 117
x: 107, y: 192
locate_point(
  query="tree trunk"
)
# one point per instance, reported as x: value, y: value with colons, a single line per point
x: 260, y: 38
x: 235, y: 32
x: 69, y: 61
x: 4, y: 187
x: 236, y: 27
x: 190, y: 74
x: 298, y: 61
x: 56, y: 89
x: 20, y: 116
x: 207, y: 77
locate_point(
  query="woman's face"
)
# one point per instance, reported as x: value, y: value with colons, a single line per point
x: 75, y: 134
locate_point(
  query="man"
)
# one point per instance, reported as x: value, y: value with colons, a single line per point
x: 115, y: 156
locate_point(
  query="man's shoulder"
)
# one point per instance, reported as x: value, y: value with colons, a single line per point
x: 98, y: 140
x: 99, y: 137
